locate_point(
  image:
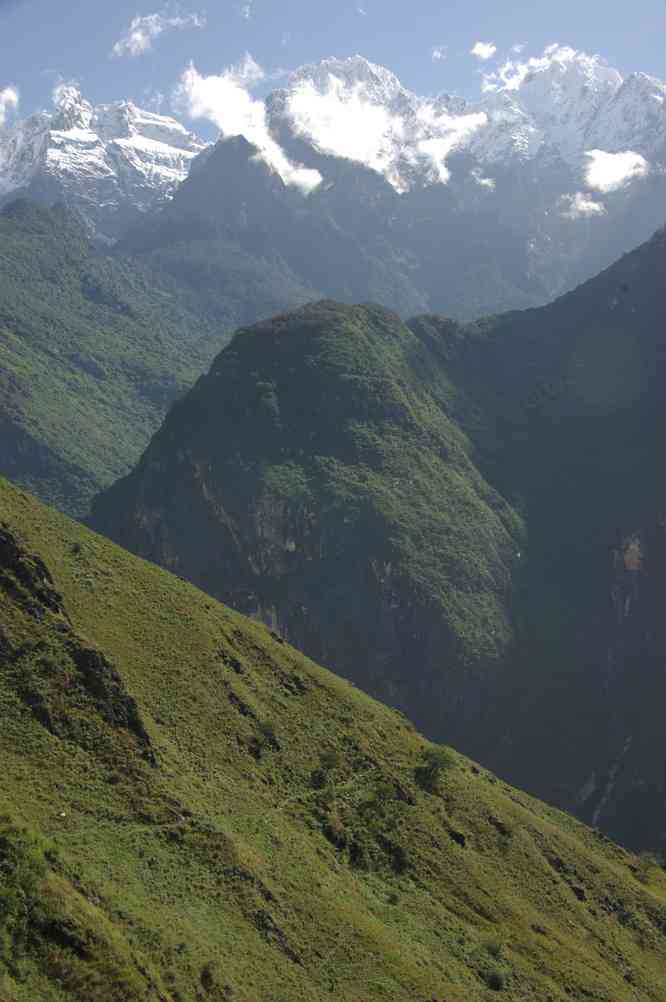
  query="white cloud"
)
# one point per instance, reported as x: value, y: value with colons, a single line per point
x: 483, y: 182
x: 483, y: 50
x: 610, y: 171
x: 340, y: 120
x: 517, y: 48
x: 143, y: 31
x: 581, y: 206
x: 246, y: 10
x: 246, y: 73
x: 349, y: 119
x: 225, y: 101
x: 362, y: 11
x: 451, y: 131
x: 9, y: 101
x: 439, y: 53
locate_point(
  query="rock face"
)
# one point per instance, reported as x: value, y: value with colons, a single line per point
x: 313, y: 480
x: 356, y: 484
x: 107, y: 163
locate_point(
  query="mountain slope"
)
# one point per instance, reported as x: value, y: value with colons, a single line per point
x: 573, y: 429
x: 467, y: 521
x: 312, y: 478
x: 93, y: 352
x: 94, y: 349
x: 225, y: 820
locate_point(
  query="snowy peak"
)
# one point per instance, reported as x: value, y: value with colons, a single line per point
x: 563, y: 103
x: 377, y: 84
x: 96, y: 159
x: 71, y: 110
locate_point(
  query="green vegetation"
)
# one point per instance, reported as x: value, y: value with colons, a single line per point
x: 318, y: 462
x: 148, y: 852
x: 436, y: 763
x: 95, y: 348
x: 448, y: 515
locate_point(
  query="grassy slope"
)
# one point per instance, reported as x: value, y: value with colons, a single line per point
x: 210, y: 874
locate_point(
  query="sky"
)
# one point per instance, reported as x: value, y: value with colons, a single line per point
x: 140, y: 50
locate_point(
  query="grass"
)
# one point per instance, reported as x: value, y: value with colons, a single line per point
x: 215, y: 867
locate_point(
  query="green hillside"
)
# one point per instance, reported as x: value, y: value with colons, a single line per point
x: 467, y: 521
x: 192, y: 810
x: 313, y: 478
x: 94, y: 349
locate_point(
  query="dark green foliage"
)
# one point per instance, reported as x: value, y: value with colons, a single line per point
x: 436, y: 763
x: 495, y: 979
x: 23, y: 870
x: 94, y: 350
x: 353, y: 511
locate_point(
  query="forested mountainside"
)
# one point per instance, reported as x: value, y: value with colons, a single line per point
x: 314, y: 479
x: 455, y: 517
x: 95, y: 349
x: 191, y: 809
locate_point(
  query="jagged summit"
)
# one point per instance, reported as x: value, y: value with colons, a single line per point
x: 564, y: 102
x: 376, y: 81
x: 101, y: 161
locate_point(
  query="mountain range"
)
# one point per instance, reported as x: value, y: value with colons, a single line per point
x: 551, y: 175
x: 384, y: 373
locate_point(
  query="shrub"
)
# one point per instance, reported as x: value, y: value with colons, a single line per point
x: 22, y: 871
x: 436, y: 762
x: 328, y: 762
x: 494, y: 947
x: 647, y: 863
x: 496, y: 980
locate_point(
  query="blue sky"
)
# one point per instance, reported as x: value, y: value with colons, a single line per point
x: 43, y: 42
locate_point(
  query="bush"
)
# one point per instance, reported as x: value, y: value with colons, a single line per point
x: 328, y: 762
x: 436, y: 762
x: 494, y: 947
x: 647, y: 863
x: 22, y: 871
x: 495, y: 979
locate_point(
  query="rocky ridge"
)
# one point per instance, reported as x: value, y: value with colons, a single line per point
x: 106, y: 162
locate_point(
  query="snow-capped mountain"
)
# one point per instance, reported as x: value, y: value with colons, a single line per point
x: 556, y: 170
x: 565, y: 104
x: 105, y: 162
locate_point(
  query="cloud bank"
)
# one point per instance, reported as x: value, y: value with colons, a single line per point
x: 340, y: 120
x: 225, y: 101
x: 9, y: 101
x: 142, y: 32
x: 611, y: 171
